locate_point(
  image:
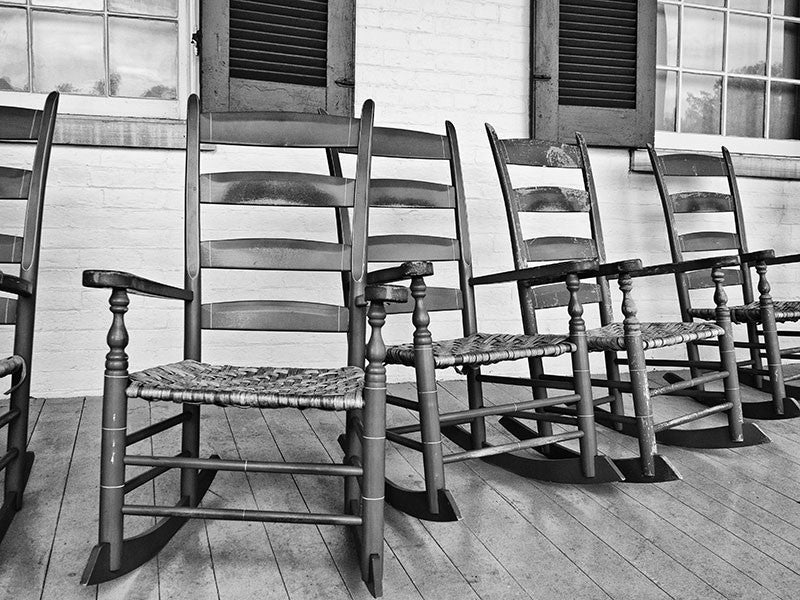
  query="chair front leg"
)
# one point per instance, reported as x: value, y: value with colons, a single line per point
x: 771, y: 341
x: 727, y: 355
x: 114, y: 430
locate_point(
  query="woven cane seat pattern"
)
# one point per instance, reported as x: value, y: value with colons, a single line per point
x: 12, y: 364
x: 483, y: 349
x: 263, y: 387
x: 654, y: 335
x: 785, y: 310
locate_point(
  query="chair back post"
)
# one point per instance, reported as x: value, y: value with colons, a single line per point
x: 32, y: 233
x: 747, y: 280
x: 192, y: 308
x: 469, y: 317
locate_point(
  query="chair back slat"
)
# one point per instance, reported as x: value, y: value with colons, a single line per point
x: 276, y: 189
x: 692, y: 165
x: 275, y: 315
x: 556, y: 294
x: 279, y: 129
x: 19, y: 123
x: 10, y: 248
x: 8, y: 311
x: 436, y: 299
x: 707, y: 241
x: 540, y: 153
x: 701, y: 202
x: 401, y: 248
x: 14, y: 183
x: 552, y: 199
x: 400, y: 193
x: 274, y: 254
x: 557, y: 248
x: 698, y: 280
x: 389, y: 142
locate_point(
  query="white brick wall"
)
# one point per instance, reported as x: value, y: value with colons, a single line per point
x: 422, y: 62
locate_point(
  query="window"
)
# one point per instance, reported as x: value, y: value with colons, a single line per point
x: 277, y: 56
x: 106, y: 57
x: 593, y: 64
x: 729, y: 67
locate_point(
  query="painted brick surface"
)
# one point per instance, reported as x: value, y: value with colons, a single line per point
x: 422, y: 63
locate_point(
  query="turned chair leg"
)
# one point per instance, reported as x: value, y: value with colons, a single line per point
x: 727, y: 354
x: 773, y: 350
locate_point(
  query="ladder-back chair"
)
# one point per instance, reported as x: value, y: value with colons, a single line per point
x: 193, y: 383
x: 630, y: 336
x: 444, y: 203
x: 759, y: 316
x: 18, y: 302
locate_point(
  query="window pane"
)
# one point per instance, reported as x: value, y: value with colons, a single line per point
x: 747, y: 48
x: 702, y: 39
x: 701, y: 100
x: 13, y: 50
x: 68, y: 53
x: 790, y: 8
x: 143, y: 58
x: 85, y: 4
x: 666, y: 89
x: 165, y: 8
x: 710, y: 2
x: 754, y: 5
x: 667, y: 37
x: 784, y: 50
x: 784, y: 111
x: 745, y: 116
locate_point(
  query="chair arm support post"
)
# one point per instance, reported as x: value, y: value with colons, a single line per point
x: 727, y: 354
x: 114, y: 429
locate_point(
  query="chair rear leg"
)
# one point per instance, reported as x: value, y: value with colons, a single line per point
x: 352, y: 456
x: 190, y: 445
x: 17, y: 470
x: 612, y: 372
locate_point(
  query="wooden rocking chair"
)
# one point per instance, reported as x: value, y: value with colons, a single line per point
x: 631, y: 336
x: 467, y: 354
x: 19, y: 310
x: 193, y: 383
x: 759, y: 316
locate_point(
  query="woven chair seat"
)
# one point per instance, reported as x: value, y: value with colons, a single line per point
x: 654, y: 335
x: 12, y: 364
x: 484, y: 349
x: 262, y: 387
x: 785, y: 310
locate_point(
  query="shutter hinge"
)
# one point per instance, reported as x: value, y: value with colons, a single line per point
x: 197, y: 38
x: 347, y: 83
x: 541, y: 77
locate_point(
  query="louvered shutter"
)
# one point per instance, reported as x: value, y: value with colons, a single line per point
x: 277, y: 55
x: 593, y: 70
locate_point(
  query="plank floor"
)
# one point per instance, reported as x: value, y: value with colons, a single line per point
x: 729, y: 529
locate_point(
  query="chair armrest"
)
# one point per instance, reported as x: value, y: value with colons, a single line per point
x: 688, y: 265
x: 759, y: 255
x: 415, y: 268
x: 386, y: 293
x: 134, y: 284
x: 14, y: 285
x: 541, y: 274
x: 614, y: 269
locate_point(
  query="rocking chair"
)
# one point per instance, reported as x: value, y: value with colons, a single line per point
x: 446, y: 202
x: 759, y: 316
x: 193, y: 383
x: 29, y: 185
x: 631, y: 336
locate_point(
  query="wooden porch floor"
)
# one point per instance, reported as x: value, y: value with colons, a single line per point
x: 729, y: 529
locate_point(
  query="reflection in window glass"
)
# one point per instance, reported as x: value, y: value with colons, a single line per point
x: 745, y: 113
x: 667, y: 38
x: 84, y: 4
x: 784, y: 111
x: 13, y: 50
x: 701, y: 99
x: 68, y: 53
x: 702, y: 38
x: 784, y: 50
x: 666, y: 96
x: 143, y: 58
x: 754, y: 5
x: 748, y: 55
x: 162, y: 8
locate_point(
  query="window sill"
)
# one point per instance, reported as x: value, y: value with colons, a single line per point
x: 746, y: 165
x: 125, y: 132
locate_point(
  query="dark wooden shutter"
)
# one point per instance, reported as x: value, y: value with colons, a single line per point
x: 593, y: 70
x: 277, y: 55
